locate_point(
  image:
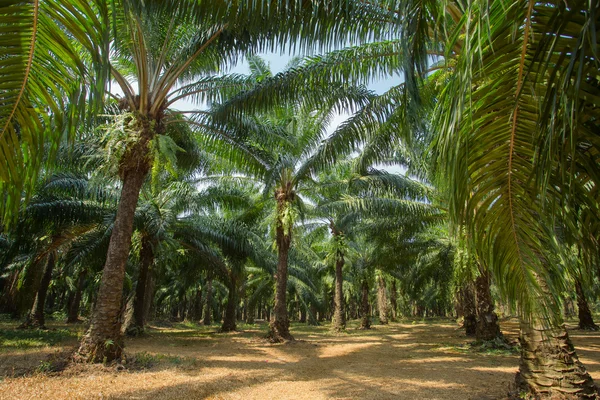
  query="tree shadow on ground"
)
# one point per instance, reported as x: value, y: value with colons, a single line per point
x: 393, y: 363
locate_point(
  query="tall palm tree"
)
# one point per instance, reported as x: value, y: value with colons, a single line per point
x: 283, y: 150
x: 173, y: 52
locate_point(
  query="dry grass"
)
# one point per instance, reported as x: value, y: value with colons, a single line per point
x: 400, y: 361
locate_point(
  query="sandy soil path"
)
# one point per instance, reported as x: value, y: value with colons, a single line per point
x: 398, y: 361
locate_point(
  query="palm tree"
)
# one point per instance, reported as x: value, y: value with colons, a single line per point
x: 499, y: 145
x: 489, y: 147
x: 283, y: 150
x: 173, y: 52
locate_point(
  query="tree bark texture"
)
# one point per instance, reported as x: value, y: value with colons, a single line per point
x: 103, y: 341
x: 469, y: 308
x: 339, y: 320
x: 382, y: 301
x: 280, y: 323
x: 208, y: 305
x: 394, y: 301
x: 230, y: 312
x: 197, y: 308
x: 365, y: 321
x: 586, y: 321
x: 488, y: 327
x: 141, y: 294
x: 36, y: 318
x: 74, y: 304
x: 549, y: 367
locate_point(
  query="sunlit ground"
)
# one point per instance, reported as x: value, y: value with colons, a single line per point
x: 407, y: 360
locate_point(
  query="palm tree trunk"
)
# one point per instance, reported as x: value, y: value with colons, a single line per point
x: 230, y: 317
x: 394, y: 301
x: 208, y: 305
x: 280, y: 324
x: 382, y: 301
x: 36, y: 319
x: 469, y: 308
x: 250, y: 312
x: 365, y: 322
x: 487, y: 327
x: 339, y: 320
x: 586, y: 321
x: 75, y: 302
x: 302, y: 314
x: 197, y: 308
x: 549, y: 366
x: 141, y: 294
x: 103, y: 341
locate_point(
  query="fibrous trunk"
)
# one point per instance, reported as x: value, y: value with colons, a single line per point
x: 586, y: 321
x: 208, y: 305
x: 103, y: 341
x: 549, y: 366
x: 280, y: 323
x: 75, y: 301
x: 197, y: 307
x: 382, y: 301
x: 394, y: 301
x: 365, y: 321
x: 141, y: 293
x: 487, y: 327
x: 469, y: 308
x: 339, y: 320
x: 36, y: 319
x: 229, y: 319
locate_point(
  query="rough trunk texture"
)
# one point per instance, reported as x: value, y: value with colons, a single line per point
x: 382, y: 301
x: 280, y: 323
x: 302, y: 315
x: 230, y: 318
x: 250, y: 313
x: 36, y: 319
x: 103, y: 341
x: 469, y: 308
x: 150, y: 290
x: 488, y: 327
x: 313, y: 315
x: 586, y: 321
x: 394, y: 301
x: 208, y: 305
x: 339, y: 320
x: 75, y: 301
x: 365, y: 321
x: 197, y: 308
x: 141, y: 294
x: 549, y: 366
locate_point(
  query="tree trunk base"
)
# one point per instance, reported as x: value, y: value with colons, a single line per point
x: 228, y: 327
x: 279, y: 332
x: 589, y: 327
x: 488, y: 328
x: 550, y: 369
x: 100, y: 351
x: 134, y: 330
x: 32, y: 324
x: 470, y: 325
x: 365, y: 323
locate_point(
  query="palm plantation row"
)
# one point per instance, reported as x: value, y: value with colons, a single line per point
x: 253, y: 195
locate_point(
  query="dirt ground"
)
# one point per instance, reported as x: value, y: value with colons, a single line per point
x: 418, y: 360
